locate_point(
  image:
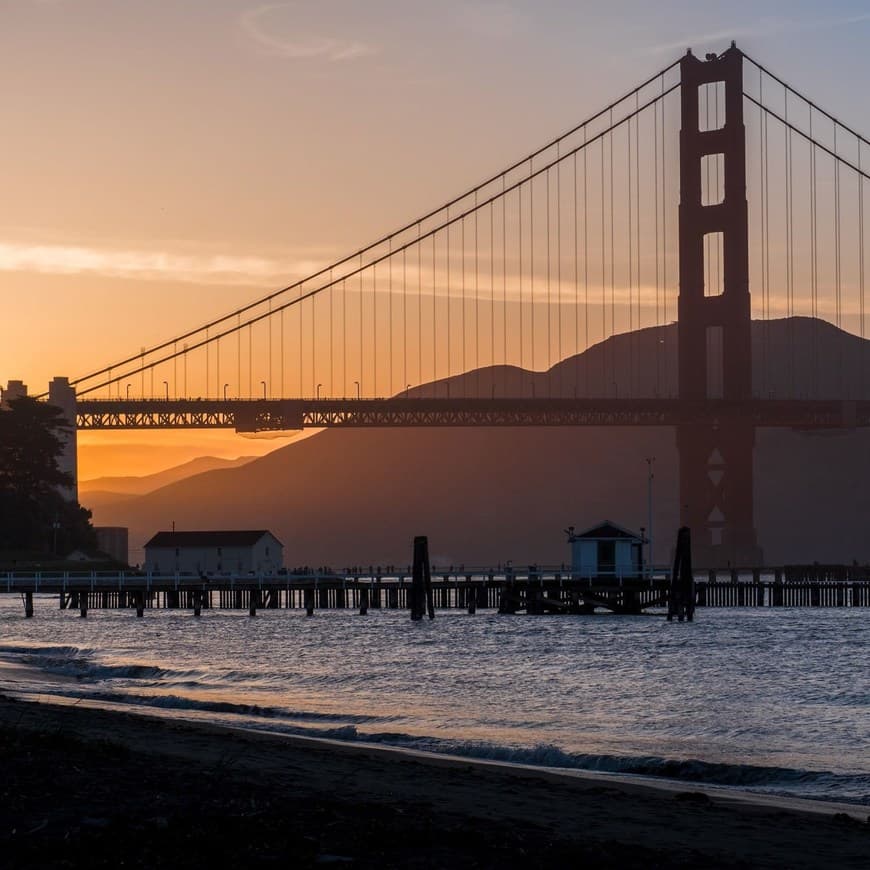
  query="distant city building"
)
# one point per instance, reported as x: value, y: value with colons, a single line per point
x: 62, y: 395
x: 114, y: 542
x: 606, y: 550
x: 12, y: 390
x: 220, y: 552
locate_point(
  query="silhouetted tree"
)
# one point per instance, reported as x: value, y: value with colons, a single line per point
x: 34, y: 515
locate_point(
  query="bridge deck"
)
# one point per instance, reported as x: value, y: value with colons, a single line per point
x: 255, y: 415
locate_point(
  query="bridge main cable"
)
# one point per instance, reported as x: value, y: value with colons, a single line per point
x: 384, y: 240
x: 815, y: 106
x: 811, y: 139
x: 388, y: 255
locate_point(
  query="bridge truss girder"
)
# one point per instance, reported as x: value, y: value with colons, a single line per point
x: 293, y: 414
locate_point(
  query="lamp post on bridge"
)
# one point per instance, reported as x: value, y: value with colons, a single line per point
x: 166, y: 390
x: 357, y: 389
x: 318, y: 391
x: 649, y: 495
x: 225, y: 391
x: 264, y: 389
x: 128, y: 392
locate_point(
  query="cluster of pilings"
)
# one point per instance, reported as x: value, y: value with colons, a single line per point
x: 530, y: 595
x: 850, y: 594
x: 377, y: 596
x: 135, y: 599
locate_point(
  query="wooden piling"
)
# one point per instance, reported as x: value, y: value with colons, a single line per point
x: 421, y: 599
x: 28, y: 605
x: 681, y: 600
x: 505, y: 603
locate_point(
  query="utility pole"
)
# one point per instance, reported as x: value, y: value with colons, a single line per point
x: 649, y: 508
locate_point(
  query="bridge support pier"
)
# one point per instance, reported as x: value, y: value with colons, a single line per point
x: 716, y: 493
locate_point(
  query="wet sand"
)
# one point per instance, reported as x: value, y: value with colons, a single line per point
x: 99, y: 788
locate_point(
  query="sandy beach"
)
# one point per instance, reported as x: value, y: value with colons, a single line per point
x: 98, y: 788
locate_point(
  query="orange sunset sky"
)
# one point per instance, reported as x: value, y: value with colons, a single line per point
x: 166, y: 162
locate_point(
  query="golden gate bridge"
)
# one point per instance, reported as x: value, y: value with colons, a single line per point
x: 603, y: 280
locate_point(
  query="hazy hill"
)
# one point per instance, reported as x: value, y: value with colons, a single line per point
x: 121, y: 486
x: 489, y: 495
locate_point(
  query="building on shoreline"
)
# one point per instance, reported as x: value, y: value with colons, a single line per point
x: 214, y: 552
x: 606, y: 549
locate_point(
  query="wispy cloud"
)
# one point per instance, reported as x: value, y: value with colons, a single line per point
x: 259, y: 24
x: 764, y: 27
x: 154, y: 265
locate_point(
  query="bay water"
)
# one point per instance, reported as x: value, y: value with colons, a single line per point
x: 774, y: 701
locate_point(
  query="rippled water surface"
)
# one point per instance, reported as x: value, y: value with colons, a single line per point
x: 775, y: 700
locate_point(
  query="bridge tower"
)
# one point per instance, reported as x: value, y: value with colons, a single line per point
x: 715, y: 349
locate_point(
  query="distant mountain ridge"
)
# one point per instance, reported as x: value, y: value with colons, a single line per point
x: 358, y: 496
x: 131, y: 485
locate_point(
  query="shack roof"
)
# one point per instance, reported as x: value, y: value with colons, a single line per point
x: 605, y: 530
x: 226, y: 538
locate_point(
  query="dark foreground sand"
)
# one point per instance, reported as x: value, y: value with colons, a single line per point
x: 92, y: 788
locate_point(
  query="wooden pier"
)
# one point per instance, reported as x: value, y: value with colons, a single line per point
x: 532, y: 591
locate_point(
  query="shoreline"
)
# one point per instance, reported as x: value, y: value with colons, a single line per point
x: 26, y: 675
x: 629, y: 782
x: 542, y: 812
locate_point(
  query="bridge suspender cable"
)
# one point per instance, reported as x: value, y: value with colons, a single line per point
x: 384, y: 239
x: 520, y: 193
x: 814, y: 106
x: 444, y: 226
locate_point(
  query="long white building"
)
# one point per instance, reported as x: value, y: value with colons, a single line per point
x: 214, y: 552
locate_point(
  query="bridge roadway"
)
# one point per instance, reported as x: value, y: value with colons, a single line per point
x: 259, y: 415
x: 533, y: 590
